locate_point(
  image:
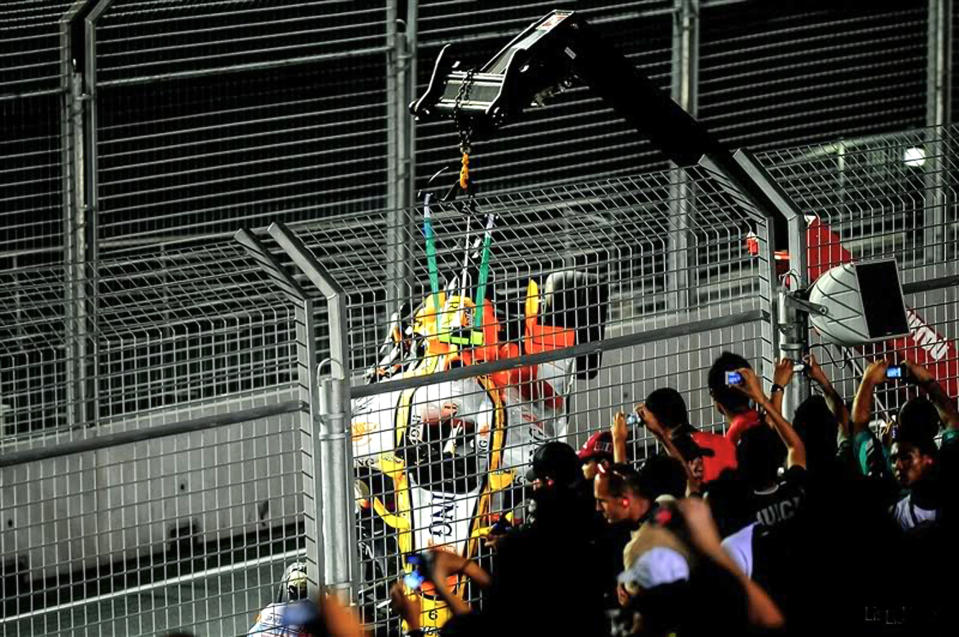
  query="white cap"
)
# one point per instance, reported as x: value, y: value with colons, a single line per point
x: 659, y: 565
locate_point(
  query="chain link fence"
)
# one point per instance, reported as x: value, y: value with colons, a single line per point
x: 159, y: 398
x: 885, y: 196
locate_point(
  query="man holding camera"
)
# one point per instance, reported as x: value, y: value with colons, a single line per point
x: 917, y: 464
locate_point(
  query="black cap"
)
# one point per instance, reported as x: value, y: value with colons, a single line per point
x: 555, y: 460
x: 690, y: 450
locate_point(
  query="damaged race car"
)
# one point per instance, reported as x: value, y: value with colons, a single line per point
x: 438, y: 464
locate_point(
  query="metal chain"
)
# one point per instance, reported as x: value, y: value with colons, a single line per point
x: 462, y: 95
x: 465, y: 134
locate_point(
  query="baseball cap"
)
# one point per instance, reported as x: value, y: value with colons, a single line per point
x: 556, y: 460
x: 690, y: 450
x: 599, y: 446
x: 659, y: 565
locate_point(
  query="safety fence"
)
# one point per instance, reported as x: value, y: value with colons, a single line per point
x: 880, y: 197
x: 170, y: 449
x: 133, y: 122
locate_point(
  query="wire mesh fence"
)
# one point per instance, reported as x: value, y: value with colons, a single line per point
x: 188, y: 531
x: 205, y: 116
x: 887, y: 196
x: 152, y: 458
x: 592, y: 296
x: 186, y: 120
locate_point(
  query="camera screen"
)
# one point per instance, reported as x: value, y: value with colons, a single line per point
x: 894, y: 372
x: 734, y: 378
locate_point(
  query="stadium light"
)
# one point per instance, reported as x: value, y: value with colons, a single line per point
x: 914, y: 156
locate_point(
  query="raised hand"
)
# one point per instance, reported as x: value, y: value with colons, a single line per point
x: 784, y: 372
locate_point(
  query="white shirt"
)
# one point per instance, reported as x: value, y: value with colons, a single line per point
x: 909, y: 516
x: 739, y: 546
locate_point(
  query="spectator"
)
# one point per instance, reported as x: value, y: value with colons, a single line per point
x: 914, y: 455
x: 652, y: 424
x: 561, y: 498
x: 596, y: 451
x: 621, y: 497
x: 680, y: 581
x: 668, y: 406
x: 527, y: 563
x: 734, y: 405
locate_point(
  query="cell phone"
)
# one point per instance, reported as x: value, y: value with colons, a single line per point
x: 801, y: 368
x: 415, y: 578
x: 734, y: 378
x: 896, y: 371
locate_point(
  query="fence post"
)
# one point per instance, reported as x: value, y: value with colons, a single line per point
x: 685, y: 80
x: 309, y: 392
x: 790, y: 324
x: 332, y: 442
x: 938, y: 116
x: 78, y: 124
x: 400, y: 87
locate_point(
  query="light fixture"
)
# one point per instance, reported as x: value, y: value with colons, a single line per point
x: 858, y: 303
x: 914, y: 156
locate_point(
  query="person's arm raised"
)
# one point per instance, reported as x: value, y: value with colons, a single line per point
x: 620, y: 433
x: 835, y: 402
x: 653, y: 426
x: 875, y: 374
x: 446, y: 564
x: 752, y: 387
x: 703, y: 534
x: 781, y: 378
x: 945, y: 405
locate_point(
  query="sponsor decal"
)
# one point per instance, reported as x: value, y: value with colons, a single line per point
x: 442, y: 515
x: 361, y: 431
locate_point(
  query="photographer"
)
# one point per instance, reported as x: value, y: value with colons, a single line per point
x: 732, y: 404
x: 914, y: 456
x: 669, y: 409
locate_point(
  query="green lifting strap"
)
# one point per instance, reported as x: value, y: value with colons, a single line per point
x: 483, y: 274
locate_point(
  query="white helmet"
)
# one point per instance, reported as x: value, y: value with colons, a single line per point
x: 295, y: 581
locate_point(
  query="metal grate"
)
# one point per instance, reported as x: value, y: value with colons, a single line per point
x: 888, y: 196
x: 439, y: 449
x: 772, y: 76
x: 144, y: 40
x: 207, y: 155
x: 188, y: 532
x: 31, y: 186
x: 30, y: 47
x: 170, y: 329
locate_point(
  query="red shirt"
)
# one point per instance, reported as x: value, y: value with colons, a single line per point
x: 724, y: 454
x: 739, y: 423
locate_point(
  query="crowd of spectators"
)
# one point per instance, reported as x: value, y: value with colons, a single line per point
x: 831, y: 523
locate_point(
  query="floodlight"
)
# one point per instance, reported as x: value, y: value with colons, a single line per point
x: 914, y: 157
x: 859, y: 303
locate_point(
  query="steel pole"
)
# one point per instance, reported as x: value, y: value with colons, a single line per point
x: 938, y: 116
x: 685, y: 79
x: 400, y: 80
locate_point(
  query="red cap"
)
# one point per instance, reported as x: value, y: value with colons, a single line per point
x: 599, y: 445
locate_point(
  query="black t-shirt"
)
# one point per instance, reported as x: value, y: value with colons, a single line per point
x: 780, y: 503
x: 609, y: 544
